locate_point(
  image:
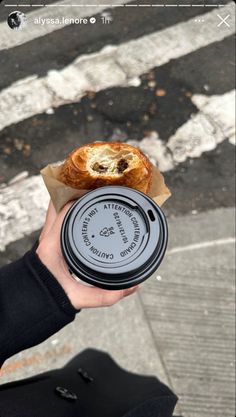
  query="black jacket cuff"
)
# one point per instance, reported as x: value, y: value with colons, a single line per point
x: 33, y: 305
x: 40, y: 271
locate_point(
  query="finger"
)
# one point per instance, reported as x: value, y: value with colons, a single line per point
x: 76, y: 196
x: 51, y: 216
x: 54, y: 220
x: 59, y: 220
x: 83, y: 296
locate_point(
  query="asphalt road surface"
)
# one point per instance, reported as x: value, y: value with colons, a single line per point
x: 160, y: 77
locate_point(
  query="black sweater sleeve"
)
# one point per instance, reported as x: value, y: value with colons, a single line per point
x: 33, y: 305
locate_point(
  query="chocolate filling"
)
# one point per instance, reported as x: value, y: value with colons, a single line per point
x: 122, y: 165
x: 99, y: 168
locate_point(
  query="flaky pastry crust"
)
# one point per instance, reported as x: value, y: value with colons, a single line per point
x: 99, y: 164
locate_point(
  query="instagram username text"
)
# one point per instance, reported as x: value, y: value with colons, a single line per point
x: 63, y: 21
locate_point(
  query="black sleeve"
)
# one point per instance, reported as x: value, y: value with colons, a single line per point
x: 33, y: 305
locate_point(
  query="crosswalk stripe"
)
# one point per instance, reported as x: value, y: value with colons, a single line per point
x: 9, y: 38
x: 214, y: 123
x: 112, y: 66
x: 24, y: 202
x: 204, y: 131
x: 22, y: 209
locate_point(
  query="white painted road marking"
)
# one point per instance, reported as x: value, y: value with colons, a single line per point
x: 214, y: 123
x: 202, y: 245
x: 8, y: 38
x: 219, y: 109
x: 22, y: 209
x: 112, y: 66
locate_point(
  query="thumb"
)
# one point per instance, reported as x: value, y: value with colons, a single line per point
x: 56, y: 229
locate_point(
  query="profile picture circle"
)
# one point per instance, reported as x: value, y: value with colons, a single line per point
x: 16, y: 20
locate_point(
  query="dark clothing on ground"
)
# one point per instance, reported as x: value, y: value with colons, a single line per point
x: 33, y: 306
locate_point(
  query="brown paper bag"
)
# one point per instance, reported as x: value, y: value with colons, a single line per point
x: 61, y: 193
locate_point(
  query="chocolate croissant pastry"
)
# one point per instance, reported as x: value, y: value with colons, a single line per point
x: 100, y: 163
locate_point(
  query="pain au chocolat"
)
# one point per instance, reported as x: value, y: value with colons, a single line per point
x: 98, y: 164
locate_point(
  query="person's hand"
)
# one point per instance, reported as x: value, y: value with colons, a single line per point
x: 49, y: 252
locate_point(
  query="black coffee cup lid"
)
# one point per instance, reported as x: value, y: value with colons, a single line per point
x: 114, y: 237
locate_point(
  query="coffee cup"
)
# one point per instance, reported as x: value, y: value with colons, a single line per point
x: 114, y: 237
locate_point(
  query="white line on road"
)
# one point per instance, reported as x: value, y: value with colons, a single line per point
x: 10, y: 38
x: 214, y: 123
x: 112, y: 66
x: 202, y: 245
x: 22, y: 209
